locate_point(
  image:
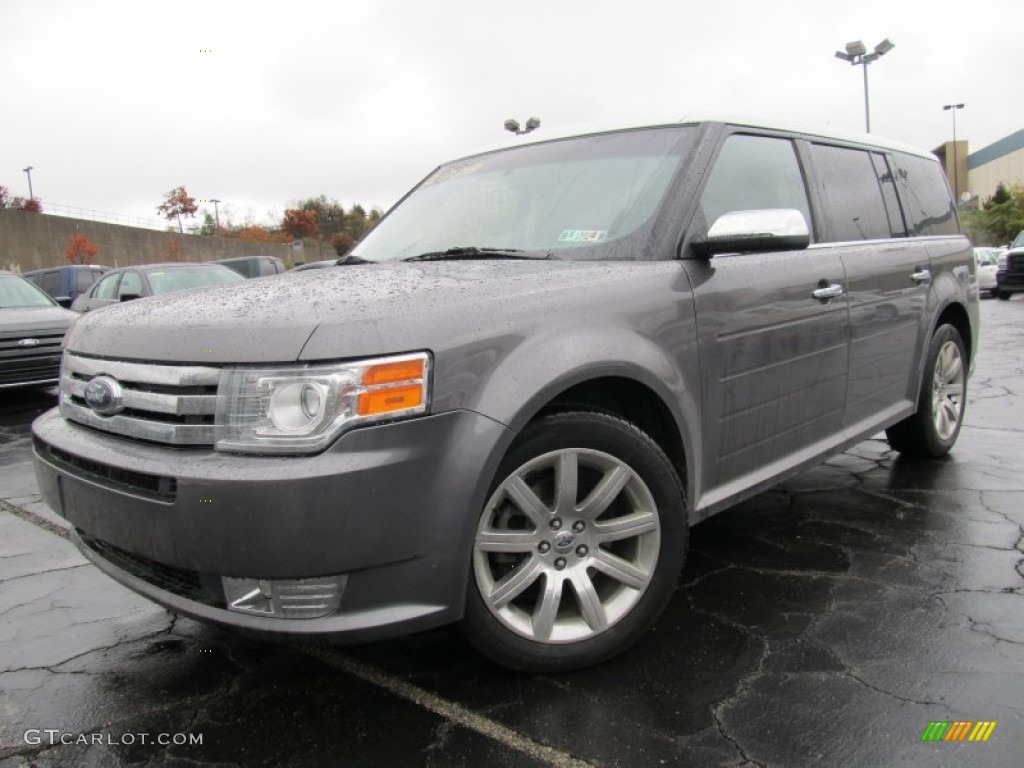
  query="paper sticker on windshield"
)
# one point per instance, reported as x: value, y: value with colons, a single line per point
x: 583, y: 236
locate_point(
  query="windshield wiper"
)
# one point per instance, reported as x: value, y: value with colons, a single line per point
x: 471, y: 252
x: 351, y: 260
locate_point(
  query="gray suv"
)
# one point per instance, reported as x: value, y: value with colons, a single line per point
x: 513, y: 398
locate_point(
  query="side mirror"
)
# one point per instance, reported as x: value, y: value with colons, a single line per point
x: 773, y: 229
x: 64, y: 301
x: 129, y: 297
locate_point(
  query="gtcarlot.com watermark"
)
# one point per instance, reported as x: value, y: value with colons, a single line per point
x: 53, y: 737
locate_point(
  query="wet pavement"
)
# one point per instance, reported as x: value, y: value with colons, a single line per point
x: 827, y: 621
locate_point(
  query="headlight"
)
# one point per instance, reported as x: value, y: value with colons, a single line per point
x: 301, y: 409
x: 1001, y: 261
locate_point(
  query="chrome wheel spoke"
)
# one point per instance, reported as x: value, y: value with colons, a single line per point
x: 507, y: 541
x: 625, y: 527
x: 566, y: 483
x: 591, y: 609
x: 513, y: 585
x: 621, y: 570
x: 528, y: 502
x: 606, y: 491
x: 547, y: 607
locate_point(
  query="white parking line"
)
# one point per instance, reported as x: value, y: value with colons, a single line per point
x: 449, y: 710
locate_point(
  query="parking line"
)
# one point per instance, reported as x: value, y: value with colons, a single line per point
x: 449, y: 710
x: 37, y: 520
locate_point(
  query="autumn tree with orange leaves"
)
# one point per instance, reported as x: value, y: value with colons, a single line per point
x: 300, y: 223
x: 176, y: 204
x: 80, y: 250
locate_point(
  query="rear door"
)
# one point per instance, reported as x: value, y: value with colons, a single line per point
x: 773, y: 356
x: 888, y: 278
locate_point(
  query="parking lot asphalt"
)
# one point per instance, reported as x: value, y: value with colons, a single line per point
x: 828, y: 621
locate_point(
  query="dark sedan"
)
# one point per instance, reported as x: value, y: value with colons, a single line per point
x: 150, y: 280
x: 32, y: 328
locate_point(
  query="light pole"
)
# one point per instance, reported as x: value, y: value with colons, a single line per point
x: 216, y: 213
x: 956, y: 173
x: 856, y: 54
x: 28, y: 172
x: 513, y: 125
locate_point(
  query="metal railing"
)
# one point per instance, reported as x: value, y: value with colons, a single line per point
x: 73, y: 212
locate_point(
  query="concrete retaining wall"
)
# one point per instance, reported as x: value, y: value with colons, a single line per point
x: 37, y: 240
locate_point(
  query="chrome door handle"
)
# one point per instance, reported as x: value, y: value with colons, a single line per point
x: 922, y: 276
x: 828, y: 292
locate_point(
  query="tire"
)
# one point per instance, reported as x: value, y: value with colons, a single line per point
x: 564, y: 579
x: 1002, y: 295
x: 933, y: 429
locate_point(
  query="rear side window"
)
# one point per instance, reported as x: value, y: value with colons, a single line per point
x: 752, y: 173
x: 52, y: 283
x: 927, y: 202
x: 851, y: 189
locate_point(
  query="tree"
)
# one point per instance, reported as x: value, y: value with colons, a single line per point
x: 30, y: 204
x: 4, y: 194
x: 1000, y: 218
x: 172, y: 249
x: 80, y: 250
x: 258, y: 235
x: 300, y: 223
x: 176, y: 204
x: 342, y: 243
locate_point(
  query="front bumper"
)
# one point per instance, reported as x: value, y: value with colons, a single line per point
x: 390, y: 508
x: 1010, y: 282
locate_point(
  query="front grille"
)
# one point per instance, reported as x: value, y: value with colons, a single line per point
x: 1015, y: 262
x: 169, y: 404
x: 155, y: 487
x: 28, y: 357
x: 190, y: 585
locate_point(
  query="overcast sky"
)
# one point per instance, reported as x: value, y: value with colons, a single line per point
x: 262, y: 103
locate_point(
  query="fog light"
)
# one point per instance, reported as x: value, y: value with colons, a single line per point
x: 285, y: 598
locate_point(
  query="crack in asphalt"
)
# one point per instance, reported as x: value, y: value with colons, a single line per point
x: 37, y: 520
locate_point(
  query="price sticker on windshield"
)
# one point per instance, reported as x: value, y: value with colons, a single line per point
x: 583, y: 236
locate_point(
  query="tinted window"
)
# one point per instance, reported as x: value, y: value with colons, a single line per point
x: 927, y: 202
x: 52, y: 283
x: 852, y: 194
x: 887, y: 180
x: 752, y: 173
x: 84, y: 278
x: 107, y: 287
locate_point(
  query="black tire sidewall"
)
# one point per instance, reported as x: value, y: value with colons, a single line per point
x: 611, y: 435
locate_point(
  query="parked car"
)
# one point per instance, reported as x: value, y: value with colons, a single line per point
x: 1010, y: 274
x: 32, y: 328
x: 987, y: 260
x: 254, y: 266
x: 518, y: 392
x: 151, y: 280
x: 314, y: 265
x: 66, y: 283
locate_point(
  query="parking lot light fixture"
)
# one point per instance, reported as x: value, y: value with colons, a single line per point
x: 513, y: 125
x: 857, y: 54
x: 956, y: 175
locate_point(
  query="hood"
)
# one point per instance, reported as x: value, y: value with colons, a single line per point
x: 349, y: 311
x: 26, y: 319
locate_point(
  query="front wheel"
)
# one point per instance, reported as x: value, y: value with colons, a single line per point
x: 1001, y: 294
x: 932, y: 431
x: 579, y: 546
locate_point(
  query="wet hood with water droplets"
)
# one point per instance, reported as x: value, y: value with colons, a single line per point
x: 333, y: 313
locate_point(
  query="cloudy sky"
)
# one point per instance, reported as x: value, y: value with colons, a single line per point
x: 262, y: 103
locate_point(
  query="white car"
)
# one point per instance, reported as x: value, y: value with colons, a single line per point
x: 988, y: 259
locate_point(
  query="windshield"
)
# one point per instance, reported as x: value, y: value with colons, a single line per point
x: 1018, y: 241
x: 16, y: 292
x: 180, y: 278
x: 577, y: 198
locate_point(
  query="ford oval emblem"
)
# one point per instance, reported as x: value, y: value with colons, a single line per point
x: 29, y: 343
x: 103, y: 395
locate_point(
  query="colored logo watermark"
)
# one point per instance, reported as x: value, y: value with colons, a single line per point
x: 958, y: 730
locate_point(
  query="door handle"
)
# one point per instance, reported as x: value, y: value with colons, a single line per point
x: 922, y: 276
x: 828, y: 292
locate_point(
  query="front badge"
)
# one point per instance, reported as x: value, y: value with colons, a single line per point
x: 103, y: 395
